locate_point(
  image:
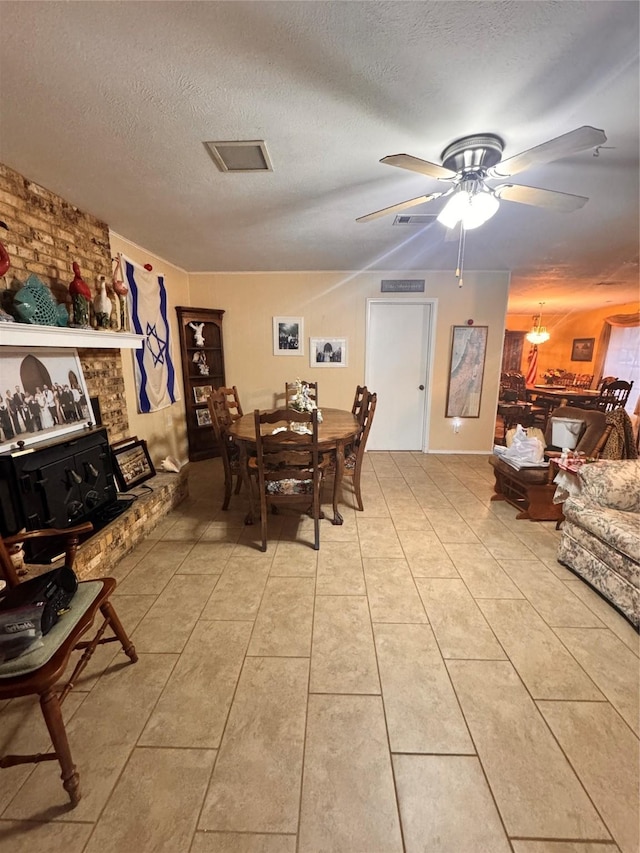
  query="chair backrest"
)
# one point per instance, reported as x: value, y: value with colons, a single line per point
x: 359, y: 402
x: 231, y: 401
x: 287, y: 454
x: 566, y: 379
x: 516, y: 382
x: 369, y: 410
x: 595, y: 429
x: 291, y: 389
x: 606, y: 380
x: 583, y: 380
x: 221, y: 420
x: 614, y: 395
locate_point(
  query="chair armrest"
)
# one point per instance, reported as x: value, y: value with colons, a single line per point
x: 72, y: 535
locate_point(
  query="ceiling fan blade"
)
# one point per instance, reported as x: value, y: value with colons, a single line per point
x: 397, y: 207
x: 552, y: 200
x: 569, y: 143
x: 423, y: 167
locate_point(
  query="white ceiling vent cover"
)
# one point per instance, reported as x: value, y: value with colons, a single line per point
x: 416, y: 219
x: 242, y: 156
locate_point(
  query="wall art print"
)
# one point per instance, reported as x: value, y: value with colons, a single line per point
x: 466, y: 371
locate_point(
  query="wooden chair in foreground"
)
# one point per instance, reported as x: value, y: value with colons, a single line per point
x: 354, y: 454
x: 38, y: 672
x: 221, y: 420
x: 287, y: 468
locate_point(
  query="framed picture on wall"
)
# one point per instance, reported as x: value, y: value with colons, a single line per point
x: 327, y: 352
x: 466, y: 371
x: 288, y: 336
x: 43, y: 394
x: 582, y: 349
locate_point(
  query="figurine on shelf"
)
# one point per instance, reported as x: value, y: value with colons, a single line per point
x: 80, y: 299
x: 102, y: 304
x: 34, y: 303
x: 121, y: 290
x: 200, y: 359
x: 198, y: 337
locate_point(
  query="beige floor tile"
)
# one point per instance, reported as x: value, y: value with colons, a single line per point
x: 392, y: 592
x: 536, y: 791
x: 235, y: 842
x: 378, y: 538
x: 348, y: 798
x: 101, y: 734
x: 498, y: 539
x: 343, y: 656
x: 451, y: 527
x: 194, y: 705
x: 207, y: 558
x: 606, y: 756
x: 452, y: 785
x: 283, y: 623
x: 384, y: 466
x: 238, y: 591
x: 425, y: 554
x: 607, y: 614
x: 154, y: 570
x: 255, y: 786
x: 170, y: 620
x: 154, y: 807
x: 540, y: 659
x: 460, y: 628
x: 557, y: 605
x: 563, y: 847
x: 340, y: 570
x: 481, y: 572
x: 612, y: 666
x: 21, y: 837
x: 291, y: 560
x: 422, y: 712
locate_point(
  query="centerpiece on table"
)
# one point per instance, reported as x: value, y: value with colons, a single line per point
x: 301, y: 402
x: 551, y: 375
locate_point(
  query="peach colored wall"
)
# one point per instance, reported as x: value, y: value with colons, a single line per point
x: 164, y: 431
x: 333, y: 304
x: 563, y: 328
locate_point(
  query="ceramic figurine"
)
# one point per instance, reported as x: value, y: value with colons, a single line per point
x: 200, y: 359
x: 121, y: 290
x: 102, y: 304
x: 198, y: 337
x: 80, y: 299
x: 34, y: 303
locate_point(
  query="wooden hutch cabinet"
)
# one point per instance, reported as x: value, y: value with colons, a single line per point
x: 202, y: 369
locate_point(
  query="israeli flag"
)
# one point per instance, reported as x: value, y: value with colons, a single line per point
x: 154, y: 368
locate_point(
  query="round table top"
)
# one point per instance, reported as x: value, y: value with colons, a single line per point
x: 337, y: 425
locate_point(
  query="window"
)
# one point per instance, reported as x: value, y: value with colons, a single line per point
x: 623, y: 359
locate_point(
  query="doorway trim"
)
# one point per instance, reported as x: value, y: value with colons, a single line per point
x: 433, y: 325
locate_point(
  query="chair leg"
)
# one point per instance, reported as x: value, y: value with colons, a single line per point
x: 111, y: 616
x: 228, y: 487
x: 356, y: 488
x: 238, y: 484
x: 263, y: 523
x: 52, y: 714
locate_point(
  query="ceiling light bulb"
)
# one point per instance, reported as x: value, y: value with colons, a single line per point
x: 538, y: 335
x: 454, y: 209
x: 482, y: 206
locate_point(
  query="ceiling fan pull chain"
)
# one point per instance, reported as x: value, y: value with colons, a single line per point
x: 460, y: 264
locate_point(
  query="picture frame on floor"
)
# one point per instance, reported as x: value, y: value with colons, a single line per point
x: 132, y: 464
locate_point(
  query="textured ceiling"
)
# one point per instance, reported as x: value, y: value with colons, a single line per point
x: 108, y: 104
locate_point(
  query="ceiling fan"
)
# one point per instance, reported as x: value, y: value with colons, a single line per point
x: 470, y: 162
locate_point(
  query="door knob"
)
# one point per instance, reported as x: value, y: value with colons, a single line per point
x: 421, y: 387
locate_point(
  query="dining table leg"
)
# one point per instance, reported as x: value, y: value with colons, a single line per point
x: 246, y: 479
x: 337, y: 482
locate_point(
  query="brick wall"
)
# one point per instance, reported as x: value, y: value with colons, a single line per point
x: 45, y: 235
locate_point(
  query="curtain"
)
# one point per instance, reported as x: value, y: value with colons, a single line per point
x: 605, y: 337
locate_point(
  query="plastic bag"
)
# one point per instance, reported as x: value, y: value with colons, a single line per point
x: 20, y: 631
x: 525, y: 448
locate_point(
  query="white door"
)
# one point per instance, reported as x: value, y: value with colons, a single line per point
x: 398, y: 350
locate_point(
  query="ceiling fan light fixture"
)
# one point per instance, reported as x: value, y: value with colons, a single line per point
x: 472, y: 203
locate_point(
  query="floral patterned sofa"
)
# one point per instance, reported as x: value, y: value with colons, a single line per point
x: 600, y: 538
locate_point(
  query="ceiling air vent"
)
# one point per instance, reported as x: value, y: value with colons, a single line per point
x: 416, y: 219
x: 246, y: 156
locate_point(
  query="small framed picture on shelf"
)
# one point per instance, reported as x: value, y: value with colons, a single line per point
x: 327, y: 352
x: 201, y: 392
x: 288, y: 336
x: 203, y: 417
x: 132, y: 464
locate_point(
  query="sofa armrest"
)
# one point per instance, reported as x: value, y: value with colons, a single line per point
x: 612, y: 483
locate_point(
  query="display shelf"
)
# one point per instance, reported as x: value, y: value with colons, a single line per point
x: 27, y: 335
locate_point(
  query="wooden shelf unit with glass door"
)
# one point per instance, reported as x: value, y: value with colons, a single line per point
x: 202, y: 368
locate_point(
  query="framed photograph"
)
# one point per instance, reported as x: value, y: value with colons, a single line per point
x: 201, y: 392
x: 203, y: 416
x: 132, y: 464
x: 466, y: 371
x: 327, y: 352
x: 43, y: 394
x: 288, y: 336
x: 582, y: 349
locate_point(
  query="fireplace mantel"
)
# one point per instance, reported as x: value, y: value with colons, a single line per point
x: 27, y: 335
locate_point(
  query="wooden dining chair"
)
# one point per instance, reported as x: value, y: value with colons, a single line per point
x: 612, y: 396
x: 354, y: 454
x: 38, y: 671
x: 287, y: 465
x: 231, y: 401
x: 221, y: 420
x: 359, y: 402
x: 291, y: 389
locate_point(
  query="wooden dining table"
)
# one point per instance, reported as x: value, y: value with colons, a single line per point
x: 337, y: 429
x: 561, y: 395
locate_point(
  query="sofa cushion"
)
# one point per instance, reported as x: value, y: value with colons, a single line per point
x: 614, y: 484
x: 618, y: 529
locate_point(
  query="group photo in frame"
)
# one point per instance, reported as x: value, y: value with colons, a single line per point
x: 132, y: 464
x: 466, y: 371
x: 288, y: 335
x: 582, y: 349
x: 327, y: 352
x: 42, y: 395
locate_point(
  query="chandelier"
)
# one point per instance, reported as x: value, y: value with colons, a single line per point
x: 538, y: 334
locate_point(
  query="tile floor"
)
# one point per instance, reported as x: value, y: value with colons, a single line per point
x: 430, y: 680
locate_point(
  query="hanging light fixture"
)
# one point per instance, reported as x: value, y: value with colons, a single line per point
x: 538, y: 334
x: 471, y: 204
